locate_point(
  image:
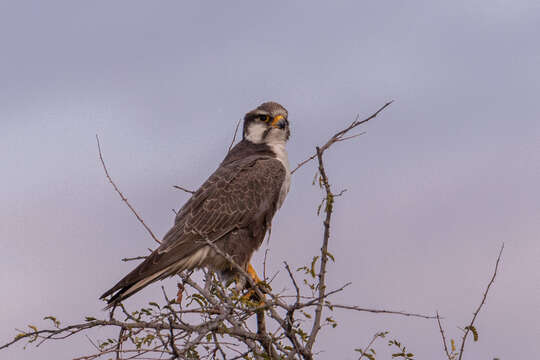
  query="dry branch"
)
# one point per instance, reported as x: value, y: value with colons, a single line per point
x: 469, y: 327
x: 234, y: 135
x: 340, y: 135
x: 124, y: 199
x: 445, y: 344
x: 183, y: 189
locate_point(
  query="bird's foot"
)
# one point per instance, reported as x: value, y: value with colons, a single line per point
x: 263, y: 287
x: 179, y: 293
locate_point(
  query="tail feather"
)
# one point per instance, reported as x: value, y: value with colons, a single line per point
x: 152, y: 270
x: 126, y: 291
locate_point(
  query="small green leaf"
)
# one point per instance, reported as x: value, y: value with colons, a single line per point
x: 90, y: 318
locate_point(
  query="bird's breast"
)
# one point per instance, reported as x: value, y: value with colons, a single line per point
x: 281, y: 154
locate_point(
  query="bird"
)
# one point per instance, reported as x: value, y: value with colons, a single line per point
x: 229, y: 214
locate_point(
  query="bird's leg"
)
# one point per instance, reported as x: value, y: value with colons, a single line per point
x: 251, y: 271
x: 179, y: 293
x: 251, y: 295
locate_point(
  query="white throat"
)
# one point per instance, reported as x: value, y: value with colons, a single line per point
x: 255, y: 133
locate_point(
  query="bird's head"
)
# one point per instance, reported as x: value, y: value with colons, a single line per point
x: 267, y: 123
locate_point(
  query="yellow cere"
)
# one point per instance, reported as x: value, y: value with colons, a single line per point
x: 276, y: 120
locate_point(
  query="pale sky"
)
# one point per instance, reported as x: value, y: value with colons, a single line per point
x: 438, y: 182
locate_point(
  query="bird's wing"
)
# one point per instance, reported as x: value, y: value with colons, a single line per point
x: 232, y: 197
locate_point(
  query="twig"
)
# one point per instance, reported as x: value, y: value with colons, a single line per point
x: 92, y: 342
x: 294, y: 283
x: 379, y: 311
x: 119, y: 343
x: 183, y: 189
x: 174, y: 349
x: 339, y: 136
x: 443, y: 337
x: 124, y: 199
x: 234, y: 136
x: 134, y: 258
x: 370, y: 343
x: 352, y: 136
x: 264, y: 264
x: 315, y: 301
x: 218, y: 347
x: 475, y: 314
x: 324, y: 252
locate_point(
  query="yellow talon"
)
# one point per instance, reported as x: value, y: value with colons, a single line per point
x: 251, y: 271
x: 251, y: 295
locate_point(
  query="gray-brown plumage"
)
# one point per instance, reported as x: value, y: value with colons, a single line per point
x: 233, y: 208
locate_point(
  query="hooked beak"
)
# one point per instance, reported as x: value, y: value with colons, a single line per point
x: 279, y: 122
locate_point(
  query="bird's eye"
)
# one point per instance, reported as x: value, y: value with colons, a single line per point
x: 265, y: 118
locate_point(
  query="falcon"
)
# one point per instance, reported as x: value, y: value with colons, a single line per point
x: 233, y: 209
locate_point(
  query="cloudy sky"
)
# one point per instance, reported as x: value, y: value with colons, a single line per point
x: 447, y: 174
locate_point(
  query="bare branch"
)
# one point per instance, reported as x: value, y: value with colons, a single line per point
x: 124, y: 199
x: 375, y: 337
x: 294, y: 283
x: 183, y: 189
x: 119, y: 343
x: 339, y: 136
x: 443, y: 338
x: 176, y: 353
x: 234, y: 136
x: 380, y: 311
x: 324, y: 252
x: 352, y: 136
x: 475, y: 314
x: 134, y: 258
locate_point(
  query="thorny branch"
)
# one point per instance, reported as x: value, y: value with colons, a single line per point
x: 445, y: 344
x: 214, y: 320
x: 324, y: 250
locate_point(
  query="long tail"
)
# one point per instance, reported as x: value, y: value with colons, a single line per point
x: 125, y: 289
x: 153, y: 269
